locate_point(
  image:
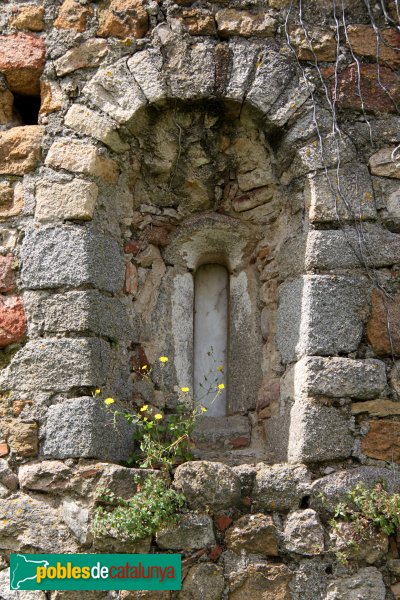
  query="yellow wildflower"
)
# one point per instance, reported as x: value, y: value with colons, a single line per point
x: 163, y: 359
x: 98, y: 391
x: 221, y: 386
x: 109, y: 401
x: 144, y: 407
x: 144, y: 367
x: 203, y: 409
x: 185, y: 390
x: 220, y: 368
x: 158, y: 416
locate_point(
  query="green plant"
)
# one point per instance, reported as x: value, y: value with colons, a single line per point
x: 154, y: 505
x: 165, y: 439
x: 369, y: 510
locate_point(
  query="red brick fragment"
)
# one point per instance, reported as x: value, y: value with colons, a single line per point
x: 215, y: 553
x: 22, y: 57
x: 222, y: 522
x: 12, y: 320
x: 4, y: 449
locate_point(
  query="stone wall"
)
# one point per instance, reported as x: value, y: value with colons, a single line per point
x: 140, y: 140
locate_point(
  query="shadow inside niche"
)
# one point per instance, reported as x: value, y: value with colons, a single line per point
x: 26, y: 109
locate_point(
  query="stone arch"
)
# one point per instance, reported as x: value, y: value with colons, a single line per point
x: 248, y: 79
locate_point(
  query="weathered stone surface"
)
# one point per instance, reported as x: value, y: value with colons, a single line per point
x: 7, y: 274
x: 269, y: 582
x: 328, y: 491
x: 319, y: 44
x: 23, y: 438
x: 383, y: 330
x: 73, y: 200
x: 114, y: 544
x: 376, y: 408
x: 204, y: 580
x: 82, y: 427
x: 190, y: 68
x: 340, y: 377
x: 79, y: 157
x: 280, y: 487
x: 198, y: 22
x: 72, y: 15
x: 192, y: 531
x: 147, y: 69
x: 45, y: 476
x: 9, y: 594
x: 12, y: 320
x: 80, y: 311
x: 374, y: 97
x: 303, y: 533
x: 366, y: 584
x: 273, y: 75
x: 51, y: 97
x: 87, y: 54
x: 6, y: 107
x: 76, y: 516
x: 86, y: 121
x: 395, y: 589
x: 241, y: 22
x: 394, y: 566
x: 70, y: 256
x: 217, y: 433
x: 20, y: 149
x: 318, y: 432
x: 124, y: 18
x: 208, y: 485
x: 384, y: 163
x: 312, y: 158
x: 321, y: 314
x: 254, y: 534
x: 244, y: 54
x: 7, y: 477
x: 121, y: 480
x: 253, y: 198
x: 34, y: 525
x: 389, y: 191
x: 371, y: 548
x: 29, y: 17
x: 355, y: 200
x: 329, y: 250
x: 22, y: 61
x: 360, y: 36
x: 114, y: 90
x: 58, y: 364
x: 382, y: 440
x: 11, y: 203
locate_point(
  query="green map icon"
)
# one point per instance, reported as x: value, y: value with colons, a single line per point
x: 23, y: 569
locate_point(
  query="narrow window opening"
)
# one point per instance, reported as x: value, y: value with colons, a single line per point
x: 26, y: 109
x: 211, y: 338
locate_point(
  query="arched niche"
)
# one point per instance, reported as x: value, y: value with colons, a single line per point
x: 249, y: 87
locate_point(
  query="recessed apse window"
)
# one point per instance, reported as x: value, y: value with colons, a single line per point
x: 211, y: 337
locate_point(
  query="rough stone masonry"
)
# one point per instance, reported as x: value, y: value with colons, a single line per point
x: 139, y: 140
